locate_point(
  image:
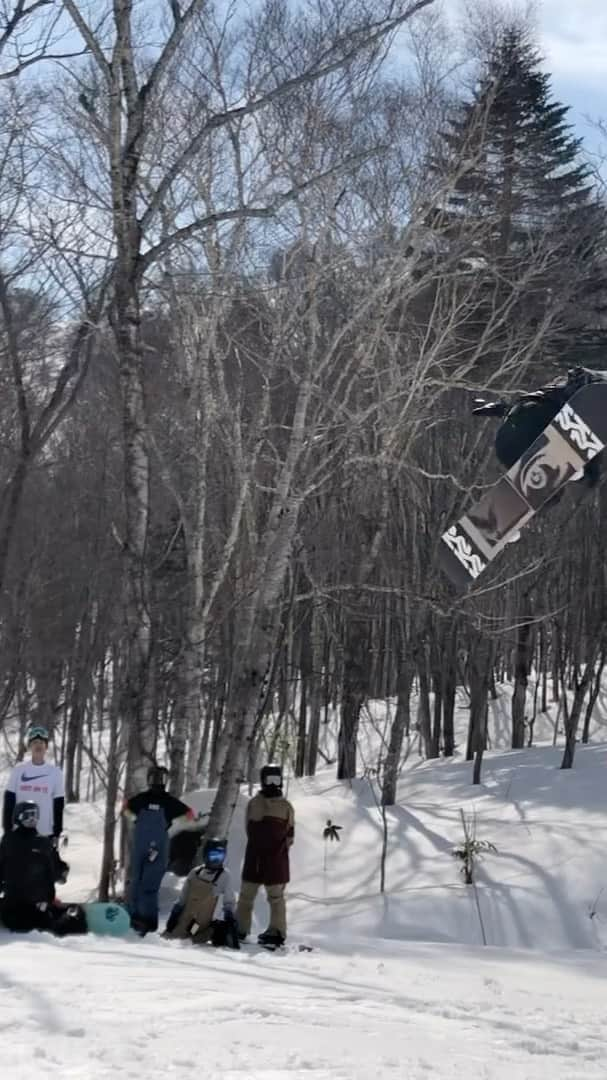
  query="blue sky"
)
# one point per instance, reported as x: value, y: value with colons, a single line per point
x: 573, y: 37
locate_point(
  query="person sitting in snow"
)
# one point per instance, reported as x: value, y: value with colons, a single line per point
x: 27, y: 879
x: 193, y: 916
x: 153, y: 812
x: 270, y: 823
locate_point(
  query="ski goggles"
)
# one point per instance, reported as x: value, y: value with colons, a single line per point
x: 29, y: 817
x: 215, y: 857
x: 37, y: 732
x: 272, y: 779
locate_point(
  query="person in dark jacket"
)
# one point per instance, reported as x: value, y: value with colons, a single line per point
x: 27, y: 880
x: 27, y: 877
x: 270, y: 824
x: 153, y: 812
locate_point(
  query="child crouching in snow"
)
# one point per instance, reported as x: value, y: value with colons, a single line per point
x: 193, y: 914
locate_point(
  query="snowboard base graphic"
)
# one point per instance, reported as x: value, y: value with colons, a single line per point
x: 576, y: 435
x: 111, y: 920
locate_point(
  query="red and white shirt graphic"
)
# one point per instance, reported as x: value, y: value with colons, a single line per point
x: 40, y: 784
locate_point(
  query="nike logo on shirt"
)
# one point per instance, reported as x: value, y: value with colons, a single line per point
x: 38, y: 776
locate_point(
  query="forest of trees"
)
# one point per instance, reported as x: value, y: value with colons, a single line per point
x: 254, y: 267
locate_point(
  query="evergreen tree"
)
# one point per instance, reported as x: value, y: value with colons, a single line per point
x: 521, y: 196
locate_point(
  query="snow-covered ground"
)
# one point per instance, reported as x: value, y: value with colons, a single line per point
x: 398, y: 985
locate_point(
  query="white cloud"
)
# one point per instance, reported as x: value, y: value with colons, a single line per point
x: 574, y: 40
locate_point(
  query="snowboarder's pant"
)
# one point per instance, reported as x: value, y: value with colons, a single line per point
x: 276, y: 900
x: 148, y: 867
x: 198, y: 908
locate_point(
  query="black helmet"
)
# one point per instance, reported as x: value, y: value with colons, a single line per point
x: 157, y: 776
x: 271, y: 777
x: 214, y: 853
x: 26, y: 814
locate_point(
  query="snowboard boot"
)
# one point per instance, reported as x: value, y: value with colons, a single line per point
x: 271, y: 939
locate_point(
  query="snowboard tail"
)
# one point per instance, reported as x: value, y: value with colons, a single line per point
x: 573, y: 438
x: 107, y: 919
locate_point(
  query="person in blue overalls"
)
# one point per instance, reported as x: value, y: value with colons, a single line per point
x: 153, y: 812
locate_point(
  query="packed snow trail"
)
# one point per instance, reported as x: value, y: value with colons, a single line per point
x: 91, y: 1009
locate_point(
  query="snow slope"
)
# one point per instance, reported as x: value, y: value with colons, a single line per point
x: 93, y: 1009
x: 399, y: 985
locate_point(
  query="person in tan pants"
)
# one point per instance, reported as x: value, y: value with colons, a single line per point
x: 270, y: 824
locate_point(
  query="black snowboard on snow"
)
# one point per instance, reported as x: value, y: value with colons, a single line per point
x: 573, y: 438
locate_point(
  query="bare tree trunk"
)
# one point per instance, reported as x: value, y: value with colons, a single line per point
x: 423, y: 711
x: 108, y: 858
x: 316, y: 677
x: 573, y: 718
x: 400, y: 728
x: 522, y: 662
x: 354, y: 691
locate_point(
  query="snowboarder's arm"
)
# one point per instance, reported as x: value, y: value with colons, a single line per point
x: 132, y: 806
x: 58, y: 805
x: 178, y: 812
x: 226, y: 890
x: 50, y: 867
x: 7, y: 810
x: 290, y: 825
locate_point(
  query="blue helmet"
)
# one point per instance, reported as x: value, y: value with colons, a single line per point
x: 214, y: 853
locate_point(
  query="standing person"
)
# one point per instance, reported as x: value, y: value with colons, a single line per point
x: 153, y: 811
x: 40, y: 782
x: 270, y: 823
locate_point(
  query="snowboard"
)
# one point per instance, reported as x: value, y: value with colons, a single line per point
x: 111, y: 920
x: 573, y: 438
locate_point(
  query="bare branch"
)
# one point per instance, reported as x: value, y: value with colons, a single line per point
x: 20, y: 14
x: 347, y: 49
x: 88, y: 37
x: 241, y: 213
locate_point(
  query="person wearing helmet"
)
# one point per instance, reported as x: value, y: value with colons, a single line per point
x: 270, y: 825
x: 207, y: 885
x: 36, y: 780
x: 153, y: 812
x: 27, y: 878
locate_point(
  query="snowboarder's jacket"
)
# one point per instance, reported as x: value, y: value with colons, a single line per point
x: 270, y: 822
x: 159, y: 799
x: 196, y: 906
x: 26, y: 868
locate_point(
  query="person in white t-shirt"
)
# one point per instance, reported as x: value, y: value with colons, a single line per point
x: 37, y: 781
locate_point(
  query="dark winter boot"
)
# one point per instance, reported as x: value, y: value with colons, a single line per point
x: 271, y: 939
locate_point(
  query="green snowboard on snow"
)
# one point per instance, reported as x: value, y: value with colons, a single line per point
x: 111, y: 920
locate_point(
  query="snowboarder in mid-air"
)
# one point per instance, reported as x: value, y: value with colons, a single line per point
x: 270, y: 823
x: 524, y: 419
x: 153, y: 812
x: 193, y: 916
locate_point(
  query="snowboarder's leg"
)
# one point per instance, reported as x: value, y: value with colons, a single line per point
x: 244, y: 910
x: 278, y: 909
